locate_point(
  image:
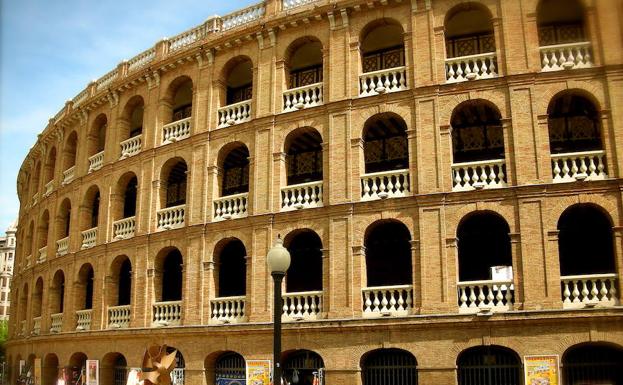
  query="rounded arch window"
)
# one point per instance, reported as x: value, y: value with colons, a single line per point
x: 560, y: 22
x: 468, y: 31
x: 389, y: 366
x: 382, y: 46
x: 489, y: 365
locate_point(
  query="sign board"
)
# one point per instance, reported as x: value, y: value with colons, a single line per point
x: 92, y: 372
x: 542, y: 370
x: 258, y: 372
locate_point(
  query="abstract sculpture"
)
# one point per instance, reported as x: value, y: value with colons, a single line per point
x: 157, y: 365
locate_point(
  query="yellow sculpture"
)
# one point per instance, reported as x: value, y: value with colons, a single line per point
x: 157, y: 365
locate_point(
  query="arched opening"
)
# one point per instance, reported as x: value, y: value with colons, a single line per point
x: 113, y: 370
x: 489, y: 365
x: 385, y: 143
x: 84, y: 285
x: 23, y: 309
x: 34, y: 188
x: 230, y: 257
x: 389, y: 366
x: 593, y: 363
x: 76, y: 370
x: 302, y: 367
x: 50, y: 169
x: 42, y: 231
x: 468, y: 31
x: 90, y: 214
x: 37, y: 300
x: 477, y: 133
x: 181, y: 91
x: 560, y: 22
x: 119, y: 292
x: 133, y: 118
x: 177, y: 374
x: 63, y: 221
x: 305, y: 271
x: 169, y: 269
x: 304, y: 62
x: 50, y: 369
x: 229, y: 368
x: 28, y: 241
x: 174, y: 176
x: 57, y: 293
x: 69, y: 155
x: 573, y: 123
x: 125, y: 197
x: 238, y: 80
x: 382, y: 46
x: 96, y: 139
x: 235, y: 166
x: 303, y: 149
x: 388, y: 254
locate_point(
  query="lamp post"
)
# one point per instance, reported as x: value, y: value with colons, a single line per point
x: 278, y: 262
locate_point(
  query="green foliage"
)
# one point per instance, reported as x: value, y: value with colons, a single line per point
x: 4, y: 335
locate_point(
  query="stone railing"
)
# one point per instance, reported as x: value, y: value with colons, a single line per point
x: 487, y: 295
x: 81, y: 97
x: 104, y: 81
x: 57, y: 323
x: 580, y: 291
x: 118, y: 316
x: 130, y: 146
x: 302, y: 97
x: 228, y: 309
x: 572, y: 166
x: 385, y: 184
x: 36, y: 326
x: 383, y: 81
x: 186, y: 38
x: 302, y: 306
x: 62, y: 246
x: 22, y: 327
x: 177, y: 130
x: 171, y: 217
x: 566, y: 56
x: 124, y: 228
x: 83, y: 319
x: 49, y: 187
x: 387, y: 300
x: 89, y: 238
x: 472, y: 67
x: 167, y: 313
x: 289, y: 4
x: 234, y: 113
x: 231, y: 206
x: 478, y: 175
x: 69, y: 175
x: 96, y: 161
x: 301, y: 196
x: 43, y: 254
x: 141, y: 60
x: 243, y: 16
x: 177, y: 376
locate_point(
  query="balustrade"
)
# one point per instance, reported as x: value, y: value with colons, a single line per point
x: 89, y: 238
x: 178, y: 130
x: 566, y: 56
x: 167, y: 313
x: 231, y: 207
x: 478, y: 175
x: 96, y: 161
x: 383, y: 81
x: 69, y: 175
x: 171, y: 217
x: 572, y: 166
x: 22, y: 327
x: 83, y: 319
x: 43, y: 254
x: 57, y: 323
x: 387, y: 301
x: 118, y: 316
x: 131, y: 146
x: 141, y: 60
x: 103, y: 82
x: 385, y: 184
x: 472, y: 67
x: 302, y: 306
x: 49, y: 187
x: 36, y: 326
x: 302, y: 97
x: 177, y: 376
x: 243, y: 16
x: 580, y: 291
x: 301, y: 196
x: 124, y: 228
x: 289, y: 4
x: 495, y: 295
x: 228, y: 309
x: 62, y: 246
x: 234, y: 113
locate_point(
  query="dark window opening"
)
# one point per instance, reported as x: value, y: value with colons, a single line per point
x: 476, y: 133
x: 230, y: 366
x: 239, y: 94
x: 129, y: 200
x: 302, y: 368
x: 95, y: 210
x: 306, y: 76
x: 67, y: 220
x: 88, y: 303
x: 182, y: 112
x: 125, y: 283
x: 388, y: 367
x: 304, y: 158
x: 305, y: 272
x: 573, y: 125
x: 388, y: 255
x: 385, y: 144
x: 236, y: 172
x: 172, y: 277
x: 62, y: 296
x: 232, y: 270
x: 489, y: 365
x: 593, y: 364
x: 467, y: 45
x: 176, y: 185
x: 382, y: 59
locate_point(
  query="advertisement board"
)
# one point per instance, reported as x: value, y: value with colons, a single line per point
x: 258, y: 372
x: 92, y: 372
x: 541, y: 370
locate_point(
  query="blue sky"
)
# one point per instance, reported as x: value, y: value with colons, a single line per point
x: 50, y: 50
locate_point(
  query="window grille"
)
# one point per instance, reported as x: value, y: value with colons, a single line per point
x: 489, y: 366
x: 383, y: 59
x: 182, y: 112
x: 390, y: 367
x: 239, y: 94
x: 230, y: 366
x: 301, y: 368
x: 561, y: 33
x: 305, y: 76
x: 593, y: 364
x: 470, y: 45
x: 119, y: 375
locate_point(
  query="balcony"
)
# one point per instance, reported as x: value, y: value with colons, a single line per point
x: 89, y: 238
x: 69, y: 175
x: 385, y: 184
x: 130, y: 146
x: 124, y: 228
x: 43, y: 254
x: 383, y: 81
x: 234, y: 114
x: 83, y: 319
x: 479, y: 175
x: 302, y: 306
x: 62, y: 246
x: 96, y: 161
x: 228, y: 309
x: 176, y: 131
x: 36, y: 326
x: 301, y: 196
x: 302, y: 97
x: 167, y: 313
x: 171, y: 217
x: 578, y: 166
x: 119, y: 317
x: 487, y: 295
x: 579, y: 291
x: 49, y: 187
x: 177, y: 376
x: 289, y: 4
x: 387, y: 301
x: 472, y: 67
x: 561, y: 57
x: 57, y: 323
x: 231, y: 207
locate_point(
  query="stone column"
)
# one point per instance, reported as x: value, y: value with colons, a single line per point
x: 279, y: 165
x: 412, y: 148
x: 617, y: 233
x: 517, y: 261
x: 359, y: 280
x: 416, y: 274
x: 208, y: 290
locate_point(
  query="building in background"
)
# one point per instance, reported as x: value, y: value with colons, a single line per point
x: 7, y: 258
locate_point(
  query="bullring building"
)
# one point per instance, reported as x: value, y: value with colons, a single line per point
x: 446, y: 175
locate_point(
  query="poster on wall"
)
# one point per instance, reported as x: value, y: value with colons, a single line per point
x: 258, y: 372
x: 541, y: 370
x: 37, y: 371
x: 92, y: 372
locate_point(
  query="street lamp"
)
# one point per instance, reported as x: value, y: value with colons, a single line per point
x: 278, y: 262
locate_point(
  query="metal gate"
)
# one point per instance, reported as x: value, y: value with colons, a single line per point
x: 390, y: 367
x: 230, y: 368
x: 303, y: 368
x: 119, y: 375
x: 593, y: 364
x: 489, y: 365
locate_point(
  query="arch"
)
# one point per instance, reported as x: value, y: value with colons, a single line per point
x: 303, y: 148
x: 50, y: 165
x: 233, y: 160
x: 305, y: 271
x: 43, y: 229
x: 573, y: 122
x: 96, y: 140
x: 169, y: 276
x: 64, y: 219
x: 50, y: 369
x: 179, y: 97
x: 23, y: 305
x: 303, y: 59
x: 113, y: 369
x: 477, y: 132
x: 174, y: 182
x: 132, y: 118
x: 585, y: 241
x: 227, y: 366
x: 302, y: 367
x: 91, y: 203
x: 593, y: 362
x: 560, y: 22
x: 468, y: 30
x: 388, y: 254
x: 230, y: 258
x: 121, y: 282
x: 84, y: 282
x: 69, y: 151
x: 34, y: 188
x: 385, y: 143
x: 126, y: 197
x: 57, y: 293
x: 237, y: 75
x: 29, y: 239
x: 382, y: 45
x: 37, y: 298
x: 489, y: 365
x: 177, y: 375
x: 382, y: 366
x: 76, y: 367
